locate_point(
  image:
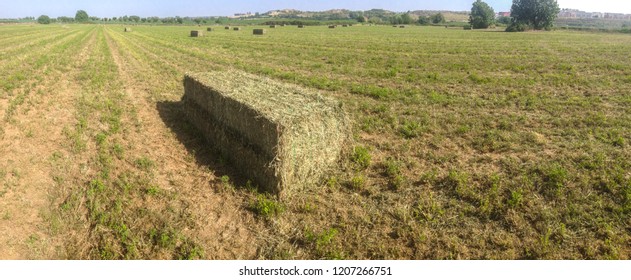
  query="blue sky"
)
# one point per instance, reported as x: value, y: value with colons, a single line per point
x: 162, y: 8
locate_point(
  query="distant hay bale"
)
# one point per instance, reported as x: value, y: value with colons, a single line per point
x: 227, y: 27
x: 281, y: 136
x: 197, y: 33
x: 467, y: 27
x: 209, y: 29
x: 258, y: 31
x: 402, y: 26
x: 331, y: 26
x: 395, y: 26
x: 344, y: 25
x: 127, y: 29
x: 236, y: 28
x: 272, y: 26
x: 301, y: 26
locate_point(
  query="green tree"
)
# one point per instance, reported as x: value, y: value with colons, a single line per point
x: 504, y: 20
x: 81, y: 16
x: 536, y: 14
x: 482, y: 15
x: 437, y: 18
x: 423, y: 20
x: 43, y: 19
x: 406, y: 18
x: 375, y: 20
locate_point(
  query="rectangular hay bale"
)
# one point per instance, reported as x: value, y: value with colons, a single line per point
x: 258, y: 31
x: 127, y: 29
x: 227, y: 28
x: 301, y: 26
x: 236, y: 28
x: 209, y: 29
x: 196, y: 33
x: 281, y: 136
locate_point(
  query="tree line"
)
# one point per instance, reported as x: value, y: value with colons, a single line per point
x: 525, y: 15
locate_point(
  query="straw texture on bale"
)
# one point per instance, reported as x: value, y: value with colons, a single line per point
x: 281, y: 136
x: 258, y: 31
x: 196, y: 33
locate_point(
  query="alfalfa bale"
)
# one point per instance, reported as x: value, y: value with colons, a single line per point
x: 197, y: 33
x: 331, y: 26
x: 401, y: 26
x: 281, y: 136
x: 209, y: 29
x: 258, y: 31
x: 237, y: 29
x: 344, y: 25
x: 272, y: 26
x: 127, y: 29
x: 227, y: 28
x: 301, y: 26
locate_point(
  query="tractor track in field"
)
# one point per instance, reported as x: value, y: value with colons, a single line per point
x: 30, y: 141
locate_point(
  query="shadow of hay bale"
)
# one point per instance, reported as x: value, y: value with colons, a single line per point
x: 172, y: 114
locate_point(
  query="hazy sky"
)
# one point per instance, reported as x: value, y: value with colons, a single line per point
x: 143, y: 8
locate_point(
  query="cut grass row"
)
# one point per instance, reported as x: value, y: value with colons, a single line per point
x: 468, y: 144
x: 127, y: 214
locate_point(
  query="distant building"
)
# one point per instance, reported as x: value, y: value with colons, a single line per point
x: 598, y: 15
x: 615, y: 16
x: 503, y: 14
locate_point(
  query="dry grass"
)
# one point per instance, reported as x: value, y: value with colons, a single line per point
x: 282, y: 136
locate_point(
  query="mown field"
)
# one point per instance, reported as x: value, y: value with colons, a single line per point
x: 467, y: 145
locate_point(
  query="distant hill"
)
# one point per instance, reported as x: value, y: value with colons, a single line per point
x: 344, y: 14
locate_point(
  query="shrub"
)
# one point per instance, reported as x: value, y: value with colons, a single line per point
x: 43, y: 19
